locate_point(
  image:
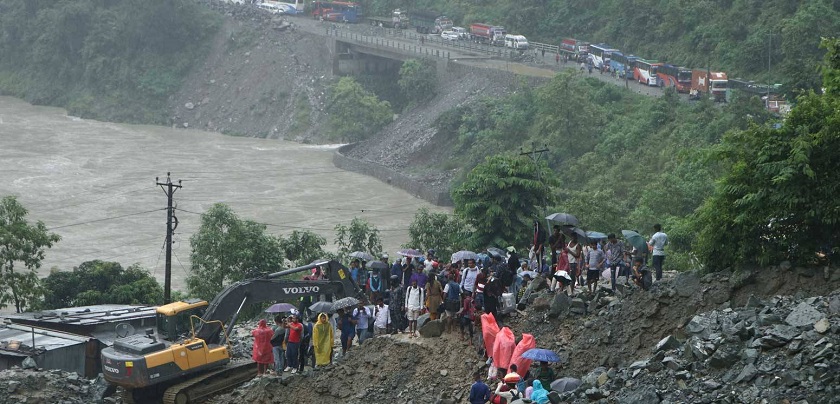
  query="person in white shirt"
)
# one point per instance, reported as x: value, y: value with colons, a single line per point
x: 382, y: 317
x: 469, y: 276
x: 657, y: 245
x: 414, y: 300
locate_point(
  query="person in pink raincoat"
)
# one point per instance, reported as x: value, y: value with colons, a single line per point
x: 262, y: 347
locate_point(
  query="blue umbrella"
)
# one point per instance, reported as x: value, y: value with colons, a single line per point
x: 597, y: 235
x: 541, y: 355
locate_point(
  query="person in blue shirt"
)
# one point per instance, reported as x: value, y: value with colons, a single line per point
x: 347, y: 325
x: 354, y: 271
x: 479, y: 392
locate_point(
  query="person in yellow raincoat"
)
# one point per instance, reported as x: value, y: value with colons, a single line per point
x: 322, y: 340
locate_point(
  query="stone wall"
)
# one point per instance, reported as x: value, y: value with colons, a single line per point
x: 389, y: 176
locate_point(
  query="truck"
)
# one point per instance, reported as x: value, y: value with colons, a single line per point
x: 187, y: 357
x: 429, y: 22
x: 337, y: 11
x: 486, y: 33
x: 705, y: 82
x: 516, y: 42
x: 398, y: 20
x: 574, y: 49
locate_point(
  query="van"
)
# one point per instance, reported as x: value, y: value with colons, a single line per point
x: 516, y: 42
x: 462, y: 32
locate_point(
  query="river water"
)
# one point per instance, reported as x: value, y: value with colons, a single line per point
x: 94, y: 184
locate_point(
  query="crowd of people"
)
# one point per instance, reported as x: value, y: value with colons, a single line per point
x: 458, y: 292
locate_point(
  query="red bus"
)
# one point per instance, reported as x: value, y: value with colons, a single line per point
x: 674, y: 76
x: 338, y: 11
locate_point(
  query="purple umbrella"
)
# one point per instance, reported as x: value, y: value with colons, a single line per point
x: 280, y: 308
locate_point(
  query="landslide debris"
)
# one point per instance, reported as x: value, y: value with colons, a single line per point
x: 390, y: 369
x: 34, y: 386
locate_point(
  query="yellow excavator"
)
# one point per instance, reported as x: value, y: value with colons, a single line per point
x: 160, y: 365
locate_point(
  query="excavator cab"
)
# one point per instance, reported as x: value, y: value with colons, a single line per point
x: 173, y: 319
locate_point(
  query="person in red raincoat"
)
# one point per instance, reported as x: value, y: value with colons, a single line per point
x: 262, y: 347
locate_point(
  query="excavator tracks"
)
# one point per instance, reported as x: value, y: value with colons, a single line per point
x: 198, y: 388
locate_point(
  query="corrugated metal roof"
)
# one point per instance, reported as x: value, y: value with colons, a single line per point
x: 46, y: 340
x: 87, y: 315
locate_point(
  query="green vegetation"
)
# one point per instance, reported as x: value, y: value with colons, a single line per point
x: 418, y: 80
x: 100, y: 282
x: 116, y: 60
x: 729, y: 35
x: 501, y: 197
x: 443, y: 232
x: 619, y: 160
x: 355, y: 113
x: 22, y: 247
x: 227, y: 249
x: 777, y: 196
x: 358, y: 236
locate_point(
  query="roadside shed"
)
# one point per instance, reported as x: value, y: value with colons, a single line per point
x: 50, y: 349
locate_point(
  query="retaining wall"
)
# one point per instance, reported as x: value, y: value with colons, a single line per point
x: 389, y: 176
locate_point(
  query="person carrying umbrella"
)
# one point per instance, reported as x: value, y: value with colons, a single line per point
x: 545, y: 376
x: 374, y: 286
x: 322, y: 340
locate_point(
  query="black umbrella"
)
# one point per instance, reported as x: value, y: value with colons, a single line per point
x: 322, y: 307
x: 563, y: 218
x: 362, y: 256
x: 377, y: 265
x: 345, y: 303
x: 497, y: 251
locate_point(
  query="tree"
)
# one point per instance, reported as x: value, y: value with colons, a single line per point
x: 22, y: 247
x: 418, y: 80
x: 303, y: 247
x: 359, y: 236
x: 227, y: 249
x: 100, y: 282
x: 778, y: 199
x: 443, y: 232
x: 501, y: 198
x: 355, y: 113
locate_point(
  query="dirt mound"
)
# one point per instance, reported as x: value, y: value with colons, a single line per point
x: 48, y: 386
x: 383, y: 370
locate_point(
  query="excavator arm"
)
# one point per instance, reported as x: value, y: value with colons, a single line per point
x: 227, y: 305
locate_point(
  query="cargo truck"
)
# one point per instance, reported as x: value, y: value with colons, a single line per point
x: 429, y: 22
x: 397, y: 20
x: 489, y: 34
x: 712, y: 83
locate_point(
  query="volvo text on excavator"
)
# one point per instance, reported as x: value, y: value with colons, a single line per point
x: 161, y: 365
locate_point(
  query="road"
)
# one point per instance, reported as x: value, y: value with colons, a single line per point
x: 463, y: 52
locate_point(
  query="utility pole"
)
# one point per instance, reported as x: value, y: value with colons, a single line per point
x: 535, y: 156
x: 169, y: 189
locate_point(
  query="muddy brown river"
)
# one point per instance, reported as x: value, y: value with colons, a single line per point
x: 94, y: 184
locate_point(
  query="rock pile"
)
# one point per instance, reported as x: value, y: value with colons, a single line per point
x: 779, y: 350
x: 30, y: 386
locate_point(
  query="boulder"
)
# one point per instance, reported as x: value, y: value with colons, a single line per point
x: 578, y: 306
x: 29, y: 363
x: 432, y: 329
x: 822, y: 326
x: 666, y: 344
x: 541, y: 302
x: 643, y: 395
x: 747, y: 374
x: 560, y: 305
x: 595, y: 394
x: 803, y: 315
x: 724, y: 357
x: 421, y: 321
x: 699, y: 325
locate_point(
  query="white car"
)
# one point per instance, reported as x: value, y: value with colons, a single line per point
x: 449, y: 35
x: 462, y: 32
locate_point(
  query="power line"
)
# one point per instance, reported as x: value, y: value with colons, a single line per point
x: 292, y: 227
x: 104, y: 219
